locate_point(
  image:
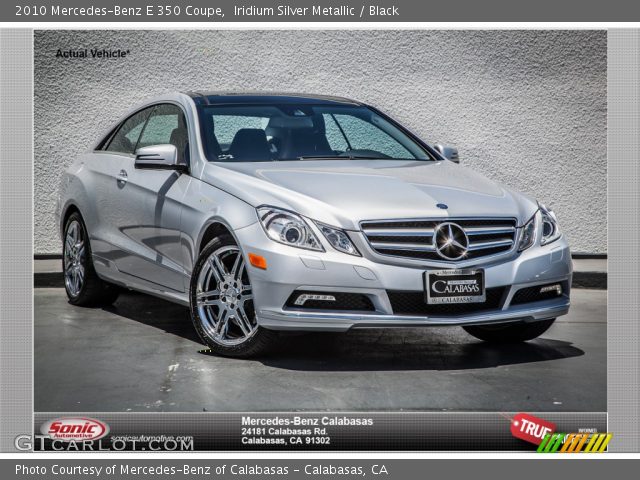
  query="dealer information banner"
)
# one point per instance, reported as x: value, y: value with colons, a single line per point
x: 302, y: 431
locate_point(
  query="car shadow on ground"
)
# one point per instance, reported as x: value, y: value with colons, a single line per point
x: 169, y: 317
x: 409, y: 349
x: 359, y: 350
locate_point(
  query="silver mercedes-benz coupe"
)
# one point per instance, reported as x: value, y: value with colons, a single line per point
x: 270, y: 212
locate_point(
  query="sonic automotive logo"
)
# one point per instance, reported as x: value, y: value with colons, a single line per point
x: 75, y: 429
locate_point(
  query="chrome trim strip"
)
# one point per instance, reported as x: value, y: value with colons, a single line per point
x: 484, y: 245
x: 349, y: 320
x: 408, y: 247
x: 399, y: 232
x: 488, y: 230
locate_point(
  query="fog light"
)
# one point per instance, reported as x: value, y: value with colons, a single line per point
x: 550, y: 288
x: 258, y: 261
x: 302, y: 299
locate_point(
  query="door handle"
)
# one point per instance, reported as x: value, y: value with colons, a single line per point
x: 122, y: 177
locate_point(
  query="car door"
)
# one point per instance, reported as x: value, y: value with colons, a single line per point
x: 103, y: 169
x: 151, y: 203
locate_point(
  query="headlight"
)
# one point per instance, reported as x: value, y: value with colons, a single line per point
x: 550, y: 228
x: 528, y: 235
x: 288, y: 228
x: 338, y: 239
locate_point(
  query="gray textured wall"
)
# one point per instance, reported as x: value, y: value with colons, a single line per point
x: 526, y: 108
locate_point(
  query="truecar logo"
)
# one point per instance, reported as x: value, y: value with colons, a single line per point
x: 530, y: 428
x: 543, y: 433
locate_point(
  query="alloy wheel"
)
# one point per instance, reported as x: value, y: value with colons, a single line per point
x: 74, y: 258
x: 224, y: 299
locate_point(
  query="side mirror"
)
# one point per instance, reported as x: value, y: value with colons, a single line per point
x: 159, y: 157
x: 450, y: 153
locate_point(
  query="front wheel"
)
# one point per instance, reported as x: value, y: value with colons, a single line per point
x: 221, y: 302
x: 510, y: 332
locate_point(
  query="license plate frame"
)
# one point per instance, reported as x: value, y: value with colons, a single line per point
x: 456, y: 286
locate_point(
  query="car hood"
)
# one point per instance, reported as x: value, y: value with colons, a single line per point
x: 343, y: 193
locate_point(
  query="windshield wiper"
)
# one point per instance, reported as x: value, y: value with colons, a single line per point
x: 322, y: 157
x: 337, y: 157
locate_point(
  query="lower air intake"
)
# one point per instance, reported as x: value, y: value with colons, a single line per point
x: 342, y: 301
x: 414, y: 303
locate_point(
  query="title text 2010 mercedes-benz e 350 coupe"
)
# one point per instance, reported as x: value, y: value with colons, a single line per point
x: 300, y: 212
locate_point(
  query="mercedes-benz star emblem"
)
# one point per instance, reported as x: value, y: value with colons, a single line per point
x: 450, y: 241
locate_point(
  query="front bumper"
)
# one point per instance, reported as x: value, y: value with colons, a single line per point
x: 290, y: 269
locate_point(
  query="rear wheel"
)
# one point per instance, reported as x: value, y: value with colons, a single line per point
x: 509, y: 332
x: 81, y: 282
x: 221, y: 302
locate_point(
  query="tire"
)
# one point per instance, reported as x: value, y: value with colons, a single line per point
x: 81, y: 282
x: 221, y: 302
x: 509, y: 332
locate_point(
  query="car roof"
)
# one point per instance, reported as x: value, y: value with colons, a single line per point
x: 257, y: 98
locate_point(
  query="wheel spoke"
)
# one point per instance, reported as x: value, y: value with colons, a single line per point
x: 212, y: 303
x: 210, y: 293
x: 69, y: 243
x: 76, y: 280
x: 214, y: 270
x: 207, y: 278
x: 220, y: 268
x: 75, y: 234
x: 237, y: 267
x: 222, y: 323
x: 243, y: 321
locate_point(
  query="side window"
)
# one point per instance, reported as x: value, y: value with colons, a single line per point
x: 124, y: 141
x: 105, y: 141
x: 166, y: 125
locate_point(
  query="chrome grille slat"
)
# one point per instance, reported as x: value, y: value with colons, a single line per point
x: 484, y: 245
x: 403, y: 246
x: 488, y: 231
x: 413, y: 238
x: 400, y: 232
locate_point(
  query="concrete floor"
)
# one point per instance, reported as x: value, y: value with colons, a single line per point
x: 142, y: 354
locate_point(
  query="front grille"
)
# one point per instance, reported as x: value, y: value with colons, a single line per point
x: 415, y: 238
x: 533, y: 294
x: 414, y: 303
x: 344, y: 301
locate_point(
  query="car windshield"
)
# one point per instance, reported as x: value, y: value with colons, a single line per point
x: 263, y: 133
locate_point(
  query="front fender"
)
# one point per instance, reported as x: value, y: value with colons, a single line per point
x: 205, y: 205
